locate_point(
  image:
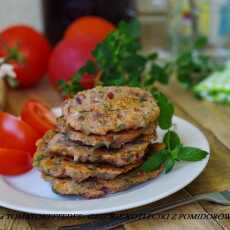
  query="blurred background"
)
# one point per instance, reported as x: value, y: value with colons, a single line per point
x: 165, y: 23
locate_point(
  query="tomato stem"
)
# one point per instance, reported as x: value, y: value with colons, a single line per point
x: 14, y: 54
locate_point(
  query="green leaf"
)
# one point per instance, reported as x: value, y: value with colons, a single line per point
x: 113, y: 79
x: 160, y: 74
x: 201, y: 42
x: 166, y: 110
x: 152, y: 56
x: 175, y: 151
x: 155, y: 161
x: 90, y: 67
x: 169, y: 164
x: 191, y: 154
x: 156, y: 73
x: 64, y: 87
x: 134, y: 64
x: 134, y: 80
x: 171, y: 139
x: 132, y: 28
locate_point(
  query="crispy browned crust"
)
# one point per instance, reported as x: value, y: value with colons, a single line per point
x: 62, y: 167
x: 110, y: 140
x: 58, y: 144
x: 99, y: 188
x: 110, y: 109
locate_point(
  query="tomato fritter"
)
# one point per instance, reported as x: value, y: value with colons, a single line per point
x: 110, y: 109
x: 110, y: 140
x: 98, y: 188
x: 57, y: 166
x: 54, y: 143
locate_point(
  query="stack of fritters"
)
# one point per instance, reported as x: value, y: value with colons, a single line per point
x: 101, y: 140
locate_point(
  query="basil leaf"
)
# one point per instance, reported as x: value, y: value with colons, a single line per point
x: 191, y: 154
x: 166, y: 110
x: 155, y: 161
x: 171, y: 139
x: 168, y: 164
x: 175, y: 151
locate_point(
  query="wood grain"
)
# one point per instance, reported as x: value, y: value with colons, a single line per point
x: 2, y: 94
x: 43, y: 91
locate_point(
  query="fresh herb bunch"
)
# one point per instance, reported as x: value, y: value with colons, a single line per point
x: 192, y: 66
x: 119, y: 62
x: 174, y: 151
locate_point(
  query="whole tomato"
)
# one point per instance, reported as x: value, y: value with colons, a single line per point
x: 16, y: 134
x: 28, y: 51
x: 90, y: 26
x: 68, y: 57
x: 14, y: 162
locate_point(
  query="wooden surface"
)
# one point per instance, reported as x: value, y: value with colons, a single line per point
x: 212, y: 119
x: 2, y: 94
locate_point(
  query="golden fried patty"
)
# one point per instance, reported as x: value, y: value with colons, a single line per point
x: 58, y: 144
x: 110, y: 140
x: 99, y: 188
x: 57, y: 166
x: 110, y: 109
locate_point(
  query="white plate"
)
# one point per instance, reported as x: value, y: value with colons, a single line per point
x: 29, y: 193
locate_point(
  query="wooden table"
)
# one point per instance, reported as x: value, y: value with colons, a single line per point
x: 212, y: 119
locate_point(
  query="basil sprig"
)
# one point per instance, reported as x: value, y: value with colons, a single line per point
x: 174, y: 151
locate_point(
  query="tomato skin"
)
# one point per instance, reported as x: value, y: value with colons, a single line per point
x: 92, y: 26
x: 68, y: 57
x: 16, y: 134
x: 34, y: 49
x: 87, y: 81
x: 38, y: 116
x: 14, y: 162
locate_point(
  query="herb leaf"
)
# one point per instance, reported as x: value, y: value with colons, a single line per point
x: 200, y: 42
x: 174, y: 152
x: 166, y: 110
x: 168, y: 164
x: 192, y: 65
x: 191, y: 154
x: 90, y: 67
x: 155, y: 161
x: 171, y: 139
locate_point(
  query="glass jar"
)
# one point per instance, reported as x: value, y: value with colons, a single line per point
x: 58, y: 14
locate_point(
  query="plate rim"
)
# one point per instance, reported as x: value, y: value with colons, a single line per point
x: 122, y: 207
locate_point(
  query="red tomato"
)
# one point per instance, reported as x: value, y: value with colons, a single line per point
x: 91, y: 26
x: 16, y: 134
x: 67, y: 57
x: 38, y: 116
x: 30, y: 51
x: 87, y: 81
x: 13, y: 162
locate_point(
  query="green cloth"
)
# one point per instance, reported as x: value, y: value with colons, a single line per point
x: 216, y: 87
